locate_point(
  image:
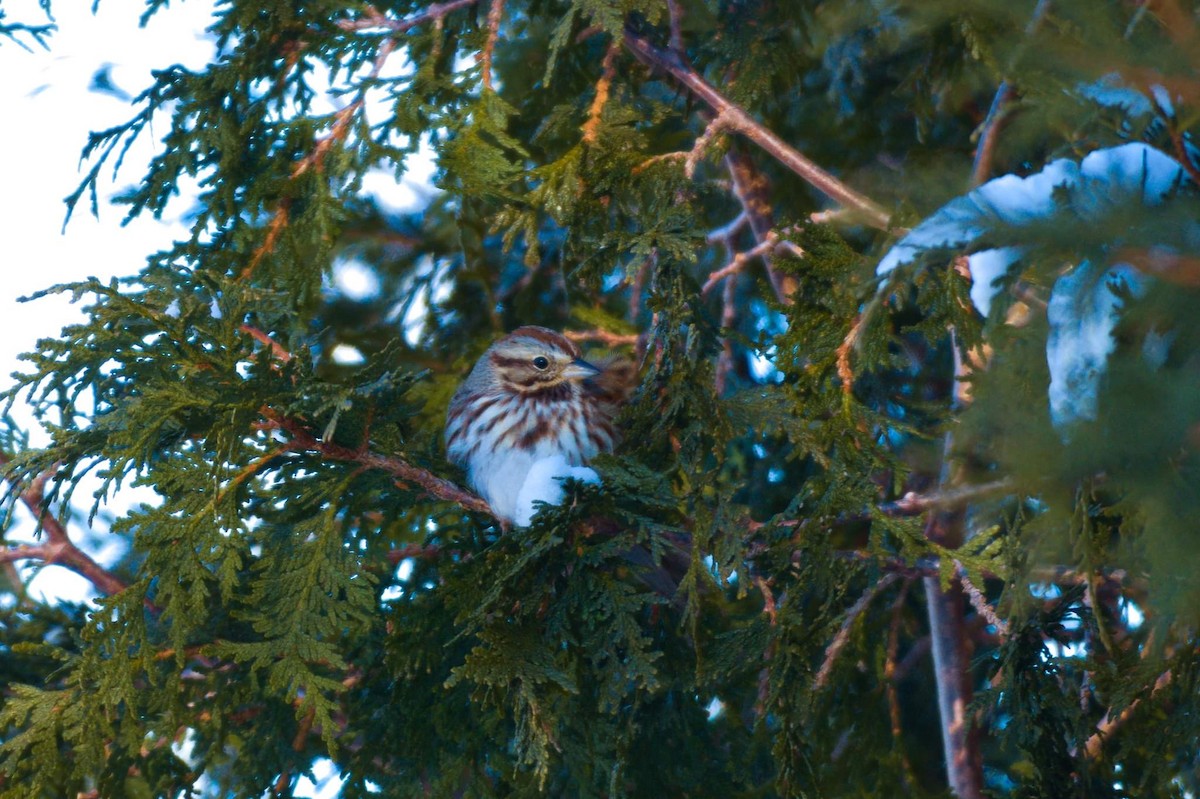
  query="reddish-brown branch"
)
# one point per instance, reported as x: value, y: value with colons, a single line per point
x: 495, y: 14
x: 421, y: 551
x: 989, y: 132
x: 752, y: 190
x: 608, y: 70
x: 736, y: 118
x: 57, y: 550
x: 405, y: 473
x: 277, y: 349
x: 843, y: 634
x: 1109, y: 724
x: 739, y: 261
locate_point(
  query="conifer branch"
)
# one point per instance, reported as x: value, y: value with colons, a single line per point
x: 302, y: 438
x: 739, y: 261
x: 739, y: 120
x: 1109, y: 724
x: 376, y: 19
x: 890, y: 681
x: 980, y: 603
x: 752, y: 191
x: 843, y: 634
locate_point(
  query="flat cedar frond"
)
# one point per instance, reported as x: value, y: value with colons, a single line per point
x: 901, y: 496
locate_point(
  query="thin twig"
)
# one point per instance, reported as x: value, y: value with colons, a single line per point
x: 700, y: 146
x: 889, y: 683
x: 913, y: 504
x: 1109, y: 724
x: 752, y: 190
x: 495, y: 14
x: 608, y: 70
x: 374, y: 19
x: 277, y: 349
x: 843, y: 634
x: 980, y: 603
x: 736, y: 118
x: 998, y: 111
x: 675, y: 20
x: 727, y: 232
x: 739, y: 261
x: 406, y: 474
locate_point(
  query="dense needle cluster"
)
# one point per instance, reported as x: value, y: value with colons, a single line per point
x: 533, y: 411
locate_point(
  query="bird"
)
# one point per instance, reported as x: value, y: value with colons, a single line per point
x: 531, y: 412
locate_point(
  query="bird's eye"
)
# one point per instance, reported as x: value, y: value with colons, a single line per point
x: 541, y: 362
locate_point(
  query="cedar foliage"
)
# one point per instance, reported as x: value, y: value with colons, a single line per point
x: 749, y: 543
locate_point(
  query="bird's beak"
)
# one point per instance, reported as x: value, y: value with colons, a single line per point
x: 579, y: 369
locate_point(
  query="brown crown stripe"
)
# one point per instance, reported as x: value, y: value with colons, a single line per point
x: 546, y: 336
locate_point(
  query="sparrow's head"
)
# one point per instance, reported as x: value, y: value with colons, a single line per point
x: 533, y: 360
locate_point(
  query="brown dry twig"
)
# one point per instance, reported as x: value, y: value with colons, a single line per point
x: 277, y: 349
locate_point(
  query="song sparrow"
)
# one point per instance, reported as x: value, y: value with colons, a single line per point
x: 533, y: 411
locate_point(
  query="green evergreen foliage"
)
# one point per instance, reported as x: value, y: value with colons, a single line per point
x: 744, y: 607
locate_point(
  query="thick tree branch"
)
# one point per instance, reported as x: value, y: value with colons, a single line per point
x: 58, y: 549
x: 736, y: 118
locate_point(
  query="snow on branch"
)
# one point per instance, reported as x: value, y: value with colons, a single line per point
x: 1083, y: 305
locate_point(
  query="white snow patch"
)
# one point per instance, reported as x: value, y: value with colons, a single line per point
x: 1110, y: 91
x: 543, y: 483
x: 1083, y: 308
x: 1082, y: 312
x: 987, y: 267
